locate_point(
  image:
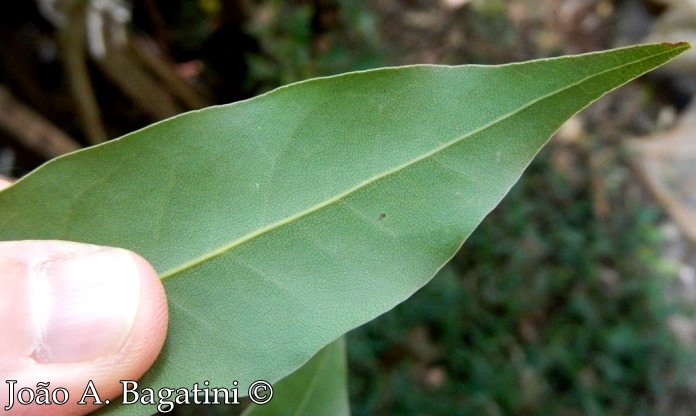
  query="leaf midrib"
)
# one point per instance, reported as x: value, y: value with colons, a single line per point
x: 278, y: 224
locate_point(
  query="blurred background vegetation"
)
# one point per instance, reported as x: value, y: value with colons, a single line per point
x: 574, y: 297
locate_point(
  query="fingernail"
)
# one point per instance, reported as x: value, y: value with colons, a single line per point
x: 84, y: 306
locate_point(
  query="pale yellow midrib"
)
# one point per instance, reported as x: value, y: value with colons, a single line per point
x: 376, y: 178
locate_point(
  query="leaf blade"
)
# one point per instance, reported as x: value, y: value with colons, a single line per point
x: 317, y: 388
x: 290, y: 214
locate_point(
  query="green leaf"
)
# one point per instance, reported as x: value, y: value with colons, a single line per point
x: 318, y: 388
x: 281, y: 222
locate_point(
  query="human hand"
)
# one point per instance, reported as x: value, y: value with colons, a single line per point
x: 72, y: 313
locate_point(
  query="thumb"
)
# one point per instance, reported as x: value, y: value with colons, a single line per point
x: 76, y: 320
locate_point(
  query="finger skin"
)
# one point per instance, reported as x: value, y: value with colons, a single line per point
x: 17, y: 339
x: 5, y: 182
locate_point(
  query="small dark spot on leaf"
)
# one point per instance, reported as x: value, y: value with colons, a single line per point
x: 382, y: 215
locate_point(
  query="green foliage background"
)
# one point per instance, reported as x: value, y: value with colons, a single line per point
x: 527, y: 320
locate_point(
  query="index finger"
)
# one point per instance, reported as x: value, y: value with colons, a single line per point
x: 5, y: 182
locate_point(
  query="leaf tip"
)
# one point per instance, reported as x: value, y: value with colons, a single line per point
x: 677, y: 45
